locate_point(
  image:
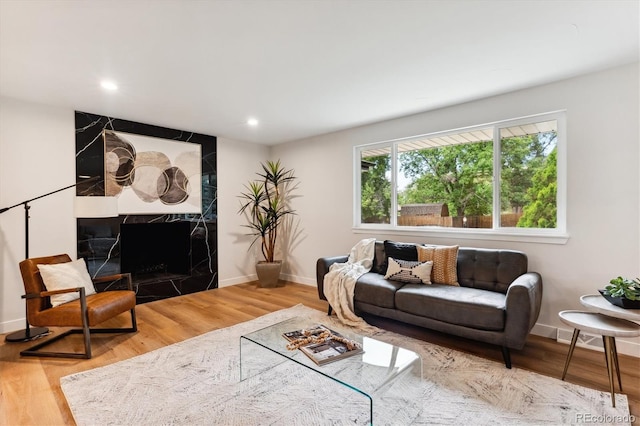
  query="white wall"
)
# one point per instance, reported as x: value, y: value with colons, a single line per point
x: 37, y: 156
x: 238, y: 163
x: 603, y: 185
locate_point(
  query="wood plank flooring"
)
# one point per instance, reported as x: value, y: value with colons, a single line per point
x: 30, y: 391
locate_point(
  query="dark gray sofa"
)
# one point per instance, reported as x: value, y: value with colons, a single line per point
x: 497, y: 302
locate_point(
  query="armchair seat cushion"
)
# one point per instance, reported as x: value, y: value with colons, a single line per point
x: 100, y: 307
x: 463, y: 306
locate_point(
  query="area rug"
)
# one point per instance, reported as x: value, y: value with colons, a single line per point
x: 196, y: 382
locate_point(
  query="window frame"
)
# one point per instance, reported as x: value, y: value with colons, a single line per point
x: 558, y: 235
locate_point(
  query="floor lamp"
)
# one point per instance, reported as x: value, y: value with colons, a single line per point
x: 97, y: 207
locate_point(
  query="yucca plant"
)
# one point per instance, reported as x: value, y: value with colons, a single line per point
x: 265, y: 205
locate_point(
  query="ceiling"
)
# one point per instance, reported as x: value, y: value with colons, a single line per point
x: 302, y: 68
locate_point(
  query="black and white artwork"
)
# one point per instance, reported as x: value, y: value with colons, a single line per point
x: 152, y: 175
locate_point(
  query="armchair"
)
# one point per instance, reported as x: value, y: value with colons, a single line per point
x: 85, y: 312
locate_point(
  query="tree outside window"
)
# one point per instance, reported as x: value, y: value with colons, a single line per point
x: 455, y: 173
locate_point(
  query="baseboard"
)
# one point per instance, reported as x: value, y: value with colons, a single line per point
x: 253, y: 277
x: 585, y: 340
x: 13, y: 325
x: 298, y: 279
x: 237, y: 280
x: 545, y: 331
x: 594, y: 342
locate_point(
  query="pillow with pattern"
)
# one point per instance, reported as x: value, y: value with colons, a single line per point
x: 445, y: 263
x: 407, y: 271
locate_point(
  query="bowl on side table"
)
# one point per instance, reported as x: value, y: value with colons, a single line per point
x: 622, y: 302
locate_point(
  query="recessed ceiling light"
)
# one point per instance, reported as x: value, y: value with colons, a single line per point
x: 108, y: 85
x: 252, y: 122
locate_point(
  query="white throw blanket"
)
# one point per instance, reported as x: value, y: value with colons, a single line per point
x: 340, y: 282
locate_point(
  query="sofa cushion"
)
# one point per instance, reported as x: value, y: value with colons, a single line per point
x: 490, y: 269
x: 468, y: 307
x: 373, y: 289
x: 407, y: 271
x: 445, y: 259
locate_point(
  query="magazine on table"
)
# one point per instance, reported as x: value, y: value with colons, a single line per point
x: 324, y: 345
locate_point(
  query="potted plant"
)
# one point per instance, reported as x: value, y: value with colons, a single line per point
x: 265, y: 204
x: 623, y: 292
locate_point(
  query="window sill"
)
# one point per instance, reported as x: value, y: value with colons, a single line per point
x: 517, y: 235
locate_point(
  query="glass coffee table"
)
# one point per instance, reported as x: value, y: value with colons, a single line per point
x: 369, y: 374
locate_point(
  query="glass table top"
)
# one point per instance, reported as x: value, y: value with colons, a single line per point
x: 370, y: 373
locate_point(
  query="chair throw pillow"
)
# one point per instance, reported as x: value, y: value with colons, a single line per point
x: 60, y: 276
x: 445, y: 262
x: 407, y: 271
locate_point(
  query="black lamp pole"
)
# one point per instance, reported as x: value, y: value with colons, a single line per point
x: 30, y: 333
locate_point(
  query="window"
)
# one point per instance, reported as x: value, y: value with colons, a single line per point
x: 497, y: 178
x: 375, y: 168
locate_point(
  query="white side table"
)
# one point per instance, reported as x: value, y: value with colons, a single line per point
x: 597, y: 303
x: 609, y: 328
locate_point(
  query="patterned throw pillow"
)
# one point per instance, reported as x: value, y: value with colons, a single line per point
x: 407, y: 271
x: 445, y: 260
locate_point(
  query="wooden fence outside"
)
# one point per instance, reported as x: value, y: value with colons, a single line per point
x: 506, y: 220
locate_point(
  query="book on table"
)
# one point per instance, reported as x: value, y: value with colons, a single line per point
x: 322, y: 350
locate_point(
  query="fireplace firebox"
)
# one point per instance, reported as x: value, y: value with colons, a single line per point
x: 150, y: 251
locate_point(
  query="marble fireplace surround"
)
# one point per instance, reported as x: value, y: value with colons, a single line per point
x: 98, y: 239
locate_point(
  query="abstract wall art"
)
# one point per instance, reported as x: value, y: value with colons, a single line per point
x: 151, y: 175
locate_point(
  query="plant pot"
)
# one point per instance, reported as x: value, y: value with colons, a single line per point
x: 622, y: 302
x: 269, y: 273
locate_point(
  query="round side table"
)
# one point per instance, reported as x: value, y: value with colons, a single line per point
x: 606, y: 326
x: 597, y: 303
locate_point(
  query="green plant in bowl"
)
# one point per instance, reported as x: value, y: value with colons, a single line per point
x: 624, y: 287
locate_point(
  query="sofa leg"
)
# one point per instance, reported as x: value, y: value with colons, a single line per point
x: 507, y: 356
x: 329, y: 311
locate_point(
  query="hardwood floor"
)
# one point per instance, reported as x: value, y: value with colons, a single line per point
x: 30, y: 391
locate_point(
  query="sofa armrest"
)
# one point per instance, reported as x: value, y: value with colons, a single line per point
x: 322, y: 267
x: 524, y: 298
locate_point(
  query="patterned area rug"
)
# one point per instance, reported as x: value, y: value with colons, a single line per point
x: 197, y: 382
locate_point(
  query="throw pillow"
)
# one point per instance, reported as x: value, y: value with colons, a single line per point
x: 445, y: 260
x: 402, y: 251
x: 379, y: 259
x: 59, y: 276
x: 408, y: 271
